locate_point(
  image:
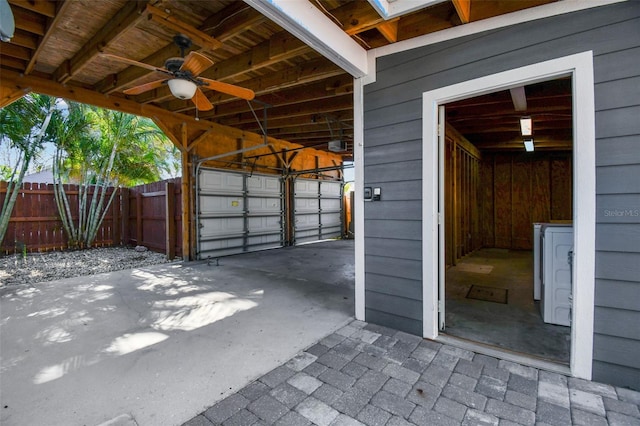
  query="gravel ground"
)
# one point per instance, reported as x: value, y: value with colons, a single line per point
x: 50, y: 266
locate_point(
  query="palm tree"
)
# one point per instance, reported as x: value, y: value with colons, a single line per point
x: 23, y: 125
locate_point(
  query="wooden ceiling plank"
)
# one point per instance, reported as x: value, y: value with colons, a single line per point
x: 463, y: 8
x: 63, y: 5
x: 42, y: 7
x: 24, y: 39
x: 198, y: 37
x: 124, y: 19
x: 14, y: 51
x: 356, y: 17
x: 29, y: 21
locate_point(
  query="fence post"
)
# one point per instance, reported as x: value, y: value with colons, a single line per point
x: 139, y: 241
x: 115, y: 215
x: 170, y: 204
x: 124, y: 228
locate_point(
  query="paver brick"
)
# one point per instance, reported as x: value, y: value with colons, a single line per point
x: 422, y: 416
x: 358, y: 324
x: 445, y: 360
x: 496, y: 373
x: 458, y: 352
x: 396, y: 355
x: 370, y: 361
x: 617, y: 419
x: 623, y: 407
x: 478, y: 418
x: 343, y: 420
x: 521, y: 400
x: 277, y: 376
x: 553, y: 378
x: 521, y: 370
x: 401, y: 373
x: 292, y: 418
x: 592, y: 387
x: 587, y: 401
x: 424, y: 394
x: 628, y: 395
x: 492, y: 388
x: 198, y: 421
x: 372, y: 381
x: 466, y: 397
x: 354, y: 369
x: 347, y: 331
x: 288, y: 395
x: 317, y: 349
x: 415, y: 365
x: 226, y: 408
x: 398, y: 421
x: 424, y: 353
x: 582, y: 418
x: 317, y: 411
x: 315, y: 369
x: 268, y: 408
x: 365, y: 336
x: 397, y: 387
x: 450, y: 408
x: 352, y: 402
x: 327, y: 394
x: 407, y: 345
x: 469, y: 368
x: 462, y: 381
x: 554, y: 394
x: 301, y: 361
x: 254, y: 390
x: 373, y: 416
x: 485, y: 360
x: 507, y: 411
x: 385, y: 342
x: 431, y: 345
x: 332, y: 340
x: 523, y: 385
x: 242, y: 418
x: 337, y: 379
x: 436, y: 375
x: 333, y: 360
x: 306, y: 383
x: 552, y: 414
x: 347, y: 349
x: 393, y: 403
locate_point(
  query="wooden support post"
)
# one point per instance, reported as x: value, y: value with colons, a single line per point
x: 124, y: 229
x: 186, y: 205
x: 139, y: 235
x: 170, y: 198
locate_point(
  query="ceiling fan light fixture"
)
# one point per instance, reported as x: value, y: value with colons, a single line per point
x: 181, y: 88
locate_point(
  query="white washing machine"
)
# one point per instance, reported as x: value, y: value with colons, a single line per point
x: 556, y: 247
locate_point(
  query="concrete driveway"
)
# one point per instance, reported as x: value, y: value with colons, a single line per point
x: 157, y: 345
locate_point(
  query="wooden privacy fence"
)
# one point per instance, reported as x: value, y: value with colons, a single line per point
x: 137, y: 216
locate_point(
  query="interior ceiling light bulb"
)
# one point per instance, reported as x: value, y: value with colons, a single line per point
x: 181, y: 88
x: 526, y: 126
x: 528, y: 145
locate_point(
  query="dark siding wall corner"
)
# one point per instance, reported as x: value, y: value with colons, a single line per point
x: 393, y: 162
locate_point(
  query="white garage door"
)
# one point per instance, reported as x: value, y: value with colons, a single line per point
x: 317, y: 210
x: 238, y: 212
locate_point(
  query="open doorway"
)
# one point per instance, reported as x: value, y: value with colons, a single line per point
x: 502, y: 197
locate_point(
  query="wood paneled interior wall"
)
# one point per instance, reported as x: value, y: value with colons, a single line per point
x: 519, y: 189
x: 463, y: 233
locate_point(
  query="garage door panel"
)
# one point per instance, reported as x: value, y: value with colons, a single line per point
x: 238, y: 212
x: 318, y: 210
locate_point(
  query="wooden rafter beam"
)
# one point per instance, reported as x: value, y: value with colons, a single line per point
x: 389, y: 30
x: 130, y: 75
x: 463, y: 8
x: 63, y: 5
x: 42, y: 7
x: 198, y: 37
x: 125, y: 18
x: 8, y: 95
x: 29, y: 21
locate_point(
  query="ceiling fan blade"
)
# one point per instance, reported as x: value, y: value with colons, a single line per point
x: 134, y: 63
x: 201, y: 102
x: 229, y: 89
x: 195, y: 63
x: 144, y: 87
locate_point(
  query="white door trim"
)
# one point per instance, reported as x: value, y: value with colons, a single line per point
x: 580, y: 68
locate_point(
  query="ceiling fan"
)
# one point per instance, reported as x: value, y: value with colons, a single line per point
x: 182, y: 77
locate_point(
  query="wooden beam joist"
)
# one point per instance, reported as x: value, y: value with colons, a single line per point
x: 63, y: 5
x: 389, y: 30
x: 198, y: 37
x: 41, y: 7
x: 125, y: 18
x: 9, y: 95
x: 463, y: 8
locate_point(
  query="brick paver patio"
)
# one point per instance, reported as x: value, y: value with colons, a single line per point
x: 365, y: 374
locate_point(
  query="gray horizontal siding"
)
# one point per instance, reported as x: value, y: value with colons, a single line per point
x: 403, y: 287
x: 394, y: 305
x: 393, y: 109
x: 395, y: 248
x: 617, y: 322
x: 401, y: 323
